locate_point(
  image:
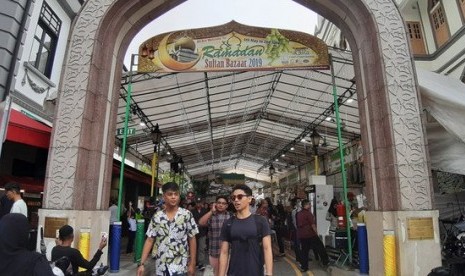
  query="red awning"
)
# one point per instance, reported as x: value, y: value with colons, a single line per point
x: 24, y: 130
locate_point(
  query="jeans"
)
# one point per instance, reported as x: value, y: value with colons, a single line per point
x: 201, y: 250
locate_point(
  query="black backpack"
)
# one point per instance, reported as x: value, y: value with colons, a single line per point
x: 64, y: 265
x: 258, y: 225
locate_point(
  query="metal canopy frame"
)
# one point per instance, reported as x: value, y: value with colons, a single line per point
x: 230, y: 121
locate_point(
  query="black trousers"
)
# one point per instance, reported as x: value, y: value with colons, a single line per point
x: 131, y: 238
x: 279, y: 238
x: 318, y: 247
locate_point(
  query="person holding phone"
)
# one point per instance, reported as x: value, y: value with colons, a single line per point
x: 214, y: 219
x: 66, y: 238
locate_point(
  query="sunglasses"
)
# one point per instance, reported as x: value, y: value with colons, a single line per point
x: 239, y: 197
x: 222, y: 203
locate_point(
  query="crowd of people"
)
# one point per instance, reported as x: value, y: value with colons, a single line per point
x: 235, y: 234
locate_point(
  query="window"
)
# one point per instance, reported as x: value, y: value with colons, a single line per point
x: 45, y: 41
x: 438, y: 22
x: 416, y: 38
x: 462, y: 8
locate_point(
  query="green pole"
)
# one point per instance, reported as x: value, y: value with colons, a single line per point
x: 139, y: 243
x: 341, y: 156
x: 125, y: 137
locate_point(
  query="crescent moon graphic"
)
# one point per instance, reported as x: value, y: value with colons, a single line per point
x: 171, y: 63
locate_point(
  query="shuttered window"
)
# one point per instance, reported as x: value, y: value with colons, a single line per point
x: 416, y: 38
x: 462, y: 8
x: 438, y: 21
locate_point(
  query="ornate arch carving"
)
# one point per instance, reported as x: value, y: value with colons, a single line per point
x: 80, y: 154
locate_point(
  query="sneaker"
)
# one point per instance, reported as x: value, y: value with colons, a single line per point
x: 201, y: 267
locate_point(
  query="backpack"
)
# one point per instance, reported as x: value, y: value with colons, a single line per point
x: 62, y: 266
x: 258, y: 225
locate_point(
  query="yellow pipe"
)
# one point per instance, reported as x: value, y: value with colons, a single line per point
x: 84, y: 244
x: 389, y: 253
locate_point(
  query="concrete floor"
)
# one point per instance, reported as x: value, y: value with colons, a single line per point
x: 284, y: 266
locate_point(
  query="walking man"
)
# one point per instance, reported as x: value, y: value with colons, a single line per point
x: 214, y: 219
x: 249, y: 237
x: 308, y: 235
x: 12, y: 191
x: 173, y: 231
x: 199, y: 211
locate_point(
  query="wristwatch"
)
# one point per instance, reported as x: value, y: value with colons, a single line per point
x: 140, y: 264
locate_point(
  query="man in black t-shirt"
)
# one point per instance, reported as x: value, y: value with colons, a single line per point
x: 249, y: 237
x: 66, y: 237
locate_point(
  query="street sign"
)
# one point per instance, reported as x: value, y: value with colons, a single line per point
x: 131, y: 131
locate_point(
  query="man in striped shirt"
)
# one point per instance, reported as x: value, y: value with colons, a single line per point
x: 214, y: 219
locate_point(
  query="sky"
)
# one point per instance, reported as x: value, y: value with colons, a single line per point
x: 192, y: 14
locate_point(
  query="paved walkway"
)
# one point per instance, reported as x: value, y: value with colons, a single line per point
x: 283, y: 266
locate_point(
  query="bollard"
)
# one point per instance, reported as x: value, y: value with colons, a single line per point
x: 390, y: 253
x: 139, y: 242
x: 362, y: 241
x: 84, y: 244
x: 115, y: 246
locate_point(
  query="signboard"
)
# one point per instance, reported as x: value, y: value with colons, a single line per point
x: 420, y: 228
x: 309, y: 189
x: 52, y: 225
x: 233, y: 178
x: 232, y: 47
x: 131, y: 131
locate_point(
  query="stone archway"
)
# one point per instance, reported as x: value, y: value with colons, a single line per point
x: 395, y: 155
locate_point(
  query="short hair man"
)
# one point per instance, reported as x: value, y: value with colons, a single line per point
x: 308, y: 236
x: 173, y: 230
x: 215, y: 219
x: 66, y: 238
x: 248, y: 235
x: 13, y: 193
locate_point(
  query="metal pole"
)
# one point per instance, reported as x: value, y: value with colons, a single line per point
x: 125, y: 137
x: 317, y: 168
x: 341, y: 156
x: 154, y: 168
x: 156, y: 187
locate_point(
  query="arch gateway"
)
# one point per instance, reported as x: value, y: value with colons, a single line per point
x: 398, y: 179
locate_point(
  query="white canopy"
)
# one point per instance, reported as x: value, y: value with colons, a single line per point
x: 444, y: 99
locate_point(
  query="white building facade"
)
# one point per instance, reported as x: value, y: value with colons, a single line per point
x: 437, y: 34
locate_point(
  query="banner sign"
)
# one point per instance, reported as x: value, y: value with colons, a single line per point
x: 232, y: 47
x: 232, y: 178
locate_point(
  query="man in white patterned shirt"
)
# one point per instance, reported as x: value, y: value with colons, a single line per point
x: 173, y: 231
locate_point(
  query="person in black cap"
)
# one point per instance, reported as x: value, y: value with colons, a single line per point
x: 66, y: 238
